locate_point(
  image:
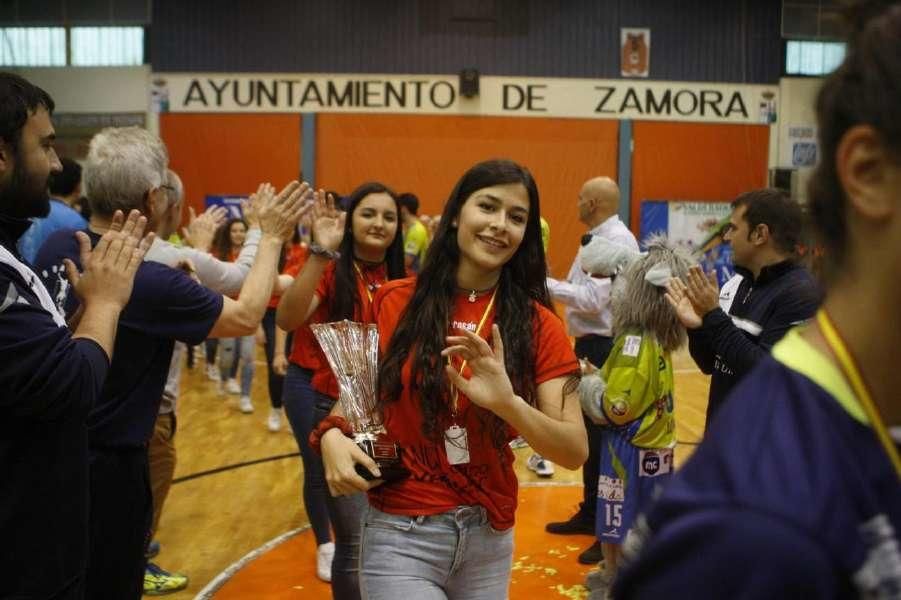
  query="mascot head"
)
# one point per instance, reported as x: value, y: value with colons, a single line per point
x: 639, y: 284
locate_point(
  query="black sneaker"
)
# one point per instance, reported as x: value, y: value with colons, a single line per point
x: 592, y: 555
x: 577, y: 524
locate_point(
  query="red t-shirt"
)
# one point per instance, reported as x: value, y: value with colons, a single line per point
x: 488, y: 480
x: 304, y: 347
x: 373, y: 277
x: 295, y: 256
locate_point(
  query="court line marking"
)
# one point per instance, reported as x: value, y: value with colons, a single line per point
x: 222, y: 578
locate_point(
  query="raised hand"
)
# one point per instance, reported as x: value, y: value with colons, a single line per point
x: 251, y: 208
x: 109, y: 269
x: 327, y: 221
x: 703, y: 290
x: 681, y: 303
x: 488, y: 385
x: 280, y: 214
x: 200, y: 231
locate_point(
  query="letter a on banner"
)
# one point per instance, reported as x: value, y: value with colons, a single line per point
x: 636, y: 52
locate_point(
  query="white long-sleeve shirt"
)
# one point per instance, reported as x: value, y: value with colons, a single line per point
x: 218, y: 275
x: 587, y: 298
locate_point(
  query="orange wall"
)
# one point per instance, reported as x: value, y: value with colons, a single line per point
x: 428, y: 154
x: 231, y: 153
x: 693, y: 161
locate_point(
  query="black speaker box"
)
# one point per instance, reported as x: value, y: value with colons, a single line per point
x: 469, y: 83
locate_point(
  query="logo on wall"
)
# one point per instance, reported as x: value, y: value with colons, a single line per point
x: 636, y: 52
x: 767, y: 113
x: 159, y: 96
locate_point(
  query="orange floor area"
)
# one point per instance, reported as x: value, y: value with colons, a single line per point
x: 544, y: 565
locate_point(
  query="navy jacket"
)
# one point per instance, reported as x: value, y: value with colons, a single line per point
x: 48, y: 384
x: 789, y: 496
x: 757, y: 313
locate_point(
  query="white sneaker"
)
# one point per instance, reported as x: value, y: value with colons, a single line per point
x: 232, y: 387
x: 275, y: 420
x: 541, y: 466
x: 245, y: 405
x: 325, y: 553
x: 212, y: 373
x: 518, y: 442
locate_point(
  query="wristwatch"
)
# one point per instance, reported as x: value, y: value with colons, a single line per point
x: 317, y: 250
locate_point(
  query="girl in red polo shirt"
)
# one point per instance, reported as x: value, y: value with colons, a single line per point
x: 353, y: 254
x: 471, y: 354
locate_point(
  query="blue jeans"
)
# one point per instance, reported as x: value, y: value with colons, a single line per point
x: 346, y: 513
x: 456, y: 555
x: 232, y: 349
x: 299, y: 399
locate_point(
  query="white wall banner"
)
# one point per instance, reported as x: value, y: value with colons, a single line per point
x: 437, y: 94
x: 635, y: 45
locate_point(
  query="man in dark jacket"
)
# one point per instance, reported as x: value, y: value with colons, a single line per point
x: 731, y: 330
x: 49, y: 376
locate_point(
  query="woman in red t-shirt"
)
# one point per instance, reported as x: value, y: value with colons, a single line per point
x: 453, y: 400
x: 353, y: 254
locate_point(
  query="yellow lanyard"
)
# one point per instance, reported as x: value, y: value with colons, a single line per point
x: 456, y: 393
x: 852, y: 373
x: 365, y: 283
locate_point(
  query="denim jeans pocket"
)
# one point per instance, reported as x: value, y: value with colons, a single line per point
x: 377, y: 519
x: 499, y: 532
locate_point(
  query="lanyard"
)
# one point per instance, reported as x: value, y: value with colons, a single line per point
x: 852, y: 373
x: 456, y: 393
x: 366, y: 284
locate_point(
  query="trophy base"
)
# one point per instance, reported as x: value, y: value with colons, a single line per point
x: 387, y: 455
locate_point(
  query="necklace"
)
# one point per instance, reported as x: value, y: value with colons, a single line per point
x: 455, y: 393
x: 371, y: 286
x: 854, y: 377
x: 474, y: 294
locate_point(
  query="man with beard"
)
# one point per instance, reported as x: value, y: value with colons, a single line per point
x: 50, y: 376
x: 65, y: 188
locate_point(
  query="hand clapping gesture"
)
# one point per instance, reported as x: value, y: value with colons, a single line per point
x: 488, y: 385
x: 694, y: 299
x: 280, y: 214
x: 201, y: 230
x: 109, y: 269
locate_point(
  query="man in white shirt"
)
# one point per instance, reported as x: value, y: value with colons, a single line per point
x: 588, y: 317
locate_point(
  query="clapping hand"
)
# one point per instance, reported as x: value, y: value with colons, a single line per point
x: 201, y: 230
x: 280, y: 214
x: 109, y: 268
x: 703, y: 290
x: 678, y: 298
x: 693, y: 298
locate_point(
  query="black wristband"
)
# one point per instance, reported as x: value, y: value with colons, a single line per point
x: 317, y: 250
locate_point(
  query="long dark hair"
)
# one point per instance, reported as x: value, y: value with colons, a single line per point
x: 222, y: 239
x: 424, y: 325
x: 347, y: 295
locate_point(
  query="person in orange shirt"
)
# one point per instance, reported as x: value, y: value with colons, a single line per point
x: 352, y: 256
x: 472, y: 353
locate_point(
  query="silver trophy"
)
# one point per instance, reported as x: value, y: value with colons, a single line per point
x: 352, y: 350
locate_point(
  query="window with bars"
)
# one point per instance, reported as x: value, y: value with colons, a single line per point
x: 33, y: 46
x: 75, y: 46
x: 803, y: 57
